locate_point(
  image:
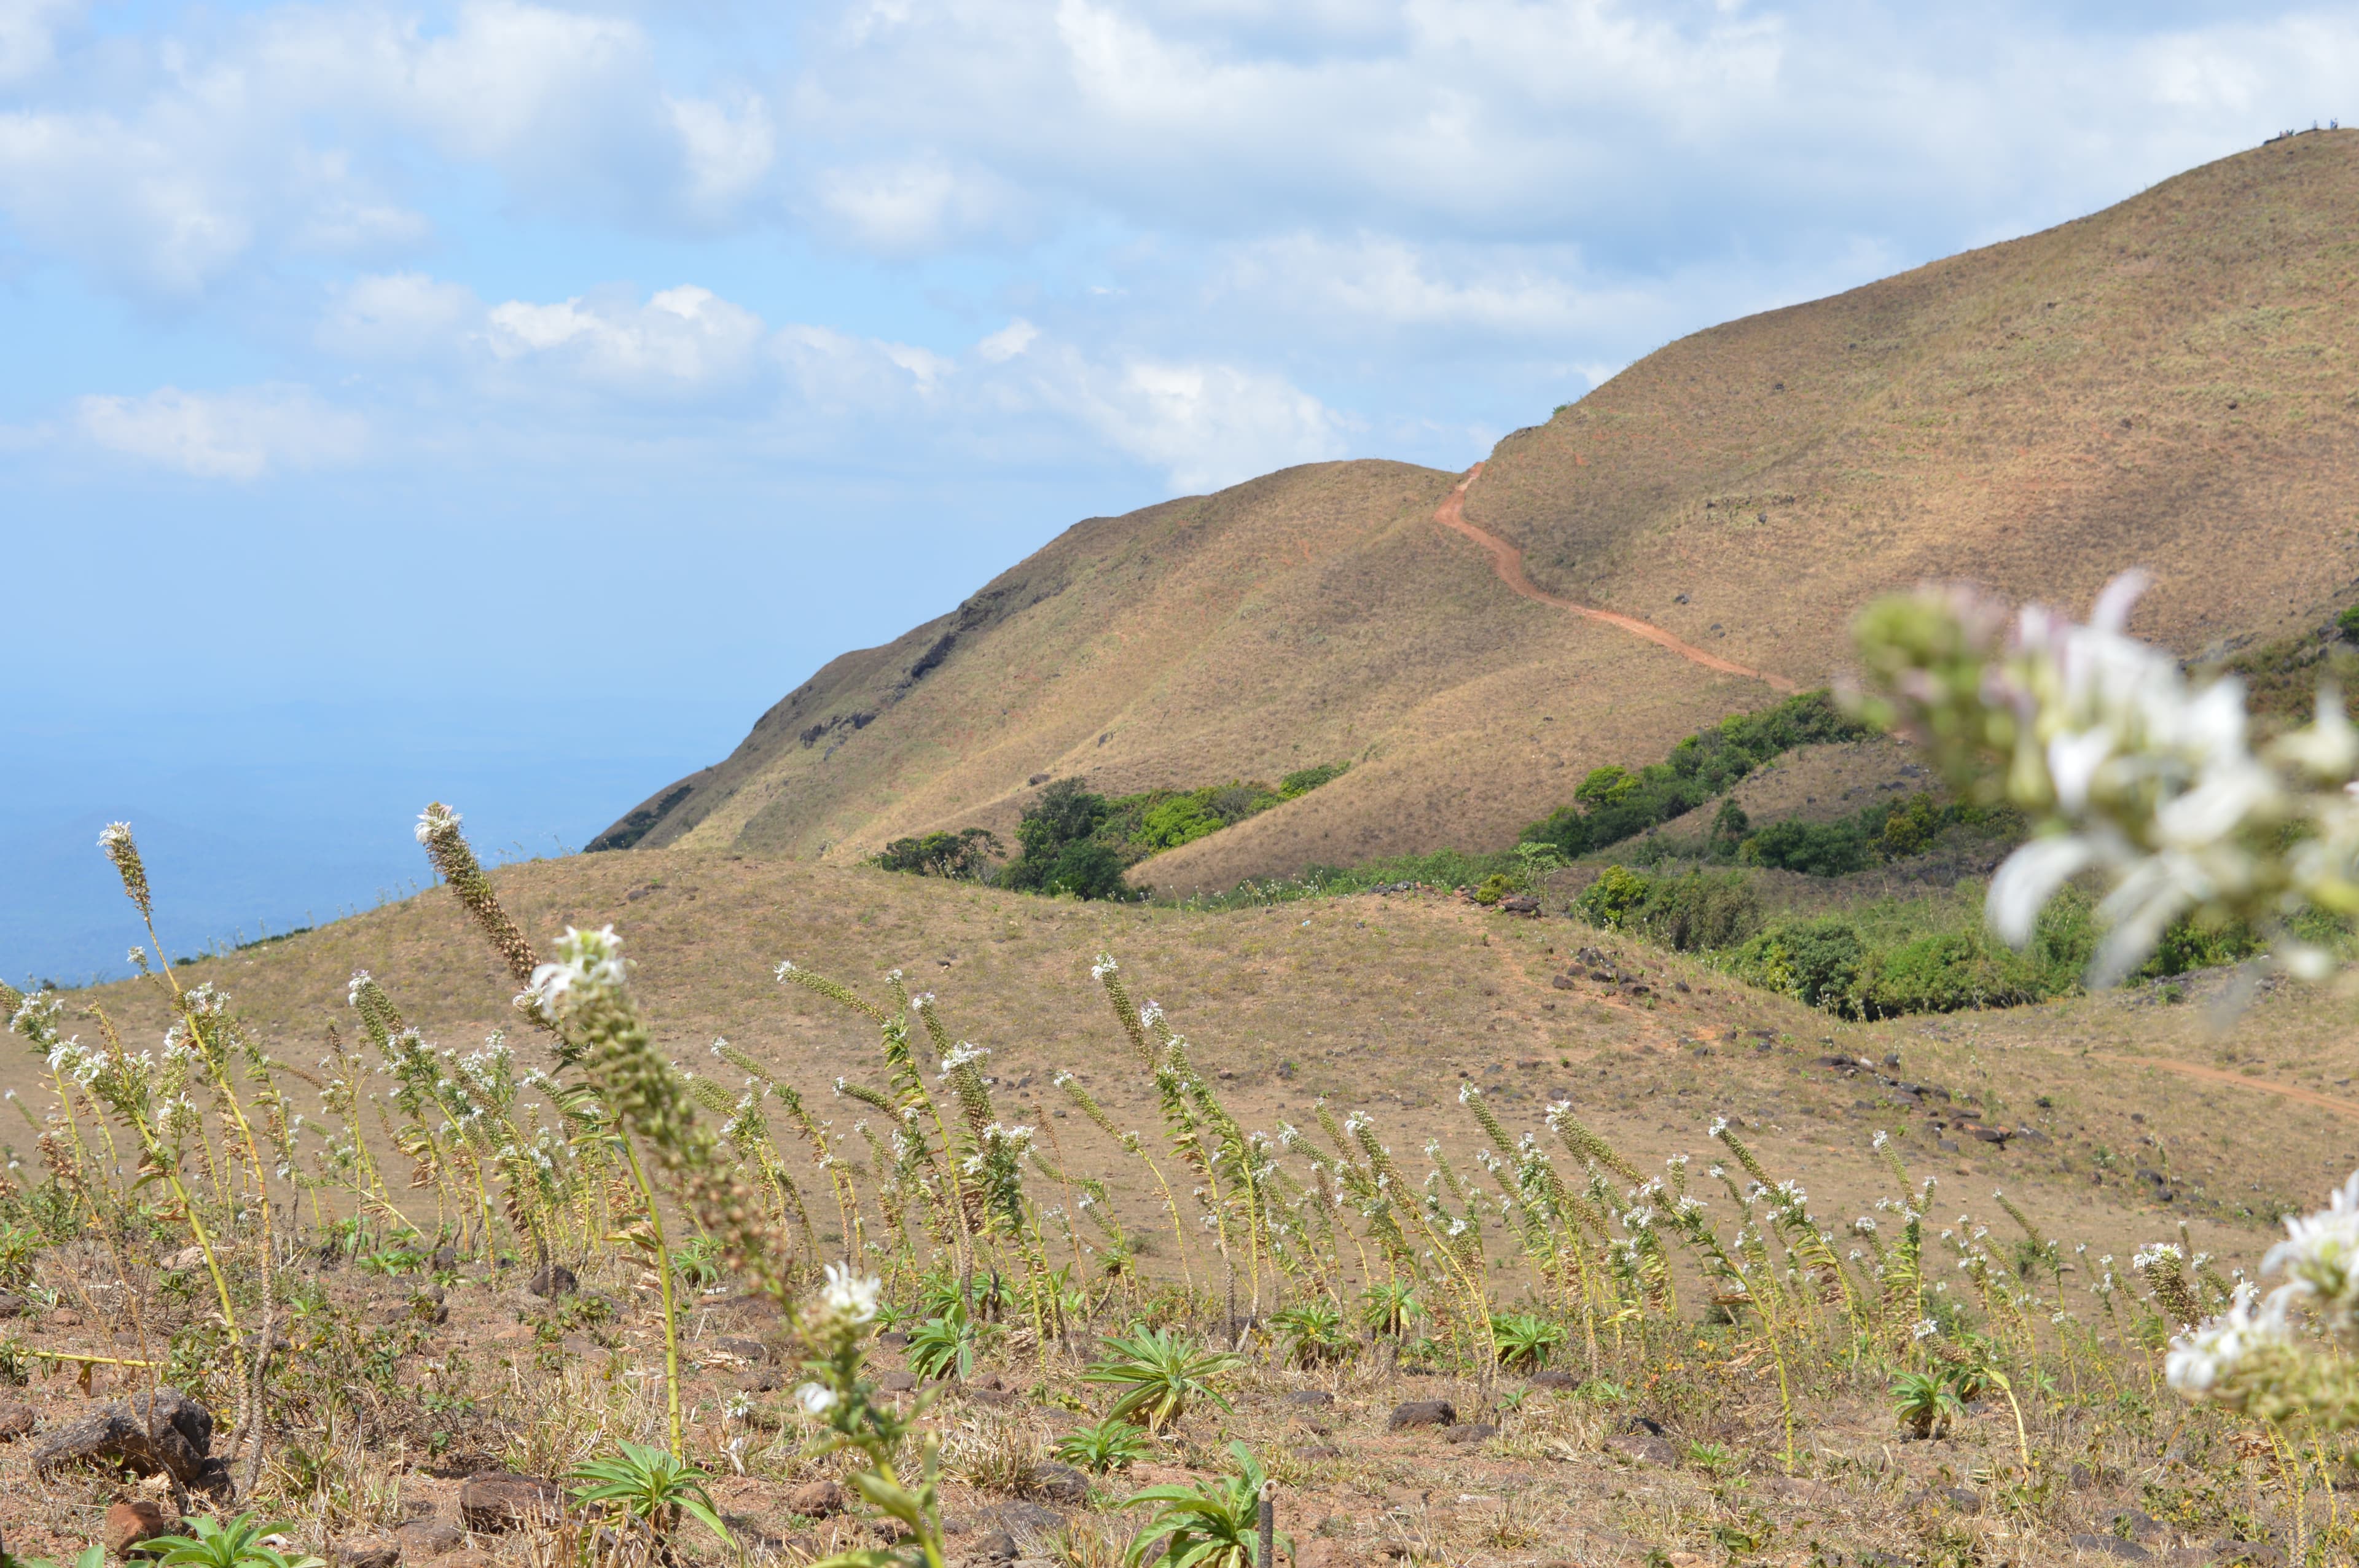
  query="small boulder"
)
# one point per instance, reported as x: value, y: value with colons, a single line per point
x: 445, y: 1260
x: 897, y: 1382
x: 131, y: 1524
x: 2112, y: 1546
x: 1470, y: 1431
x: 1556, y: 1378
x: 815, y: 1500
x: 752, y: 1352
x: 16, y: 1420
x: 1059, y: 1484
x: 367, y: 1551
x: 187, y: 1258
x: 428, y: 1538
x: 1644, y: 1447
x: 118, y: 1434
x: 14, y: 1305
x: 497, y: 1501
x: 1314, y: 1398
x: 1423, y: 1413
x: 553, y: 1282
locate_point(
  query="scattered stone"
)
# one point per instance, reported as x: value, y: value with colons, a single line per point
x: 1059, y: 1484
x: 1019, y: 1522
x: 815, y: 1500
x: 117, y: 1434
x: 1317, y: 1399
x: 1556, y: 1378
x: 767, y: 1381
x: 998, y: 1399
x: 2259, y: 1553
x: 463, y: 1463
x: 2112, y: 1545
x: 897, y: 1382
x: 1317, y: 1451
x: 2137, y: 1524
x: 893, y: 1339
x: 66, y: 1317
x: 17, y: 1421
x: 14, y: 1305
x: 445, y: 1260
x: 553, y: 1282
x: 1645, y: 1423
x: 1423, y: 1413
x: 498, y: 1499
x: 130, y: 1523
x: 187, y: 1258
x: 367, y: 1551
x: 1470, y: 1431
x: 1644, y: 1446
x: 428, y: 1538
x: 753, y: 1352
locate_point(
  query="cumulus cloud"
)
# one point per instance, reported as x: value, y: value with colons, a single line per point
x: 398, y: 316
x: 29, y: 36
x: 684, y: 341
x: 1203, y: 424
x: 240, y: 435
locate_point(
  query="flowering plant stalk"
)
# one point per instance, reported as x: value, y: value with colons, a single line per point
x: 835, y: 1327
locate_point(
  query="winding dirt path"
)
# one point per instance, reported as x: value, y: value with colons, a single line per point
x: 1508, y: 562
x: 2236, y: 1080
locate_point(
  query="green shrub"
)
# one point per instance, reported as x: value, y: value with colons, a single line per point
x: 1305, y: 780
x: 1686, y: 914
x: 963, y: 855
x: 1818, y: 848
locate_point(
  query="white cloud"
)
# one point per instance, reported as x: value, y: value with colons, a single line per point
x: 728, y: 149
x: 398, y: 316
x: 911, y: 206
x: 29, y: 36
x: 1008, y: 341
x: 1205, y: 424
x: 240, y: 434
x: 684, y: 341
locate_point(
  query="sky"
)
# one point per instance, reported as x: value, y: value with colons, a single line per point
x: 504, y: 403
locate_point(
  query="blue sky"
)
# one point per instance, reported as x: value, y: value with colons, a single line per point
x: 505, y: 402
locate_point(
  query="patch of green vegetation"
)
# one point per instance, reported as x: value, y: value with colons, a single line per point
x: 1887, y: 957
x: 1073, y: 840
x: 1615, y: 803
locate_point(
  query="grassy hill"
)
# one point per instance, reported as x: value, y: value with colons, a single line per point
x: 2168, y: 384
x: 1380, y: 1004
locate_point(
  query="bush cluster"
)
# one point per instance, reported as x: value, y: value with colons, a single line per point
x: 1886, y: 959
x: 1615, y: 803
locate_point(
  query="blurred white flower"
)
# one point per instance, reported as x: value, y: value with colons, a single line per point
x: 2201, y: 1358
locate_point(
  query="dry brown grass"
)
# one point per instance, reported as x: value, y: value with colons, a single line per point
x: 2164, y: 384
x: 1384, y: 1004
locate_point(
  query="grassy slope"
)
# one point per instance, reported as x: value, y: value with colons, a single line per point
x: 1379, y: 1003
x: 2036, y: 415
x: 2166, y: 384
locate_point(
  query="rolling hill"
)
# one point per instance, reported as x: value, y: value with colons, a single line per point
x: 2168, y: 384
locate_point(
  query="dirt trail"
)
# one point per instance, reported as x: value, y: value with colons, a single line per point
x: 2236, y: 1080
x: 1508, y: 562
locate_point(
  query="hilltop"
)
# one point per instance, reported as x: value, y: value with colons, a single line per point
x: 2165, y: 383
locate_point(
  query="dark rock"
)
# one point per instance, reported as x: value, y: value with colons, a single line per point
x: 897, y: 1382
x: 1022, y: 1521
x: 1059, y: 1484
x: 1646, y: 1424
x: 117, y: 1434
x: 1644, y: 1446
x: 65, y: 1318
x: 2259, y: 1553
x: 367, y: 1551
x: 998, y: 1399
x: 17, y: 1421
x: 1556, y: 1378
x: 1317, y: 1451
x: 553, y: 1282
x: 428, y: 1538
x: 12, y: 1305
x: 1423, y: 1413
x: 497, y: 1501
x: 2112, y: 1545
x: 2137, y: 1524
x: 445, y: 1260
x: 1561, y: 982
x: 128, y: 1524
x: 815, y: 1500
x: 753, y: 1352
x: 1469, y: 1431
x: 767, y: 1381
x: 893, y: 1339
x: 1317, y: 1399
x: 213, y: 1479
x: 462, y: 1463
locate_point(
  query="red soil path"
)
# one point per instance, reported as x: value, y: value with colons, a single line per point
x: 1508, y: 562
x: 2238, y: 1080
